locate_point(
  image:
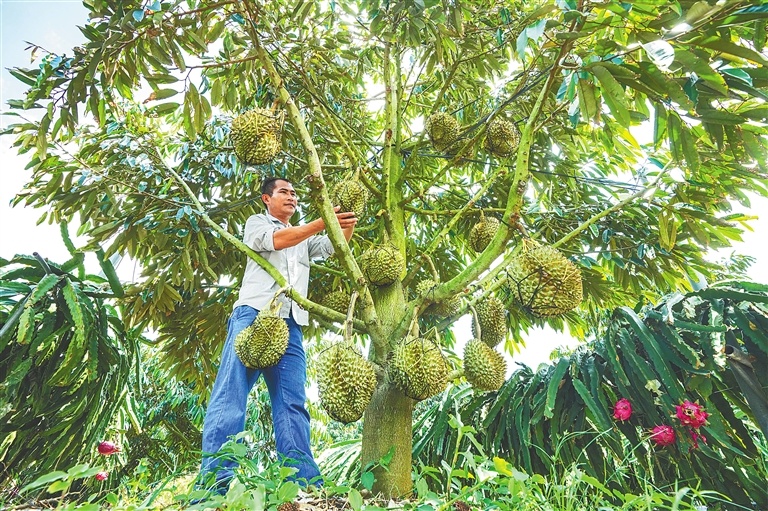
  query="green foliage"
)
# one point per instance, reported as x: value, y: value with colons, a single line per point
x: 494, y: 483
x: 154, y: 177
x: 164, y: 436
x: 669, y: 353
x: 698, y: 88
x: 66, y: 358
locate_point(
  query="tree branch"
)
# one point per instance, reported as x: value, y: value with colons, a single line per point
x: 226, y: 63
x: 317, y: 183
x: 273, y: 272
x: 451, y: 212
x: 498, y: 171
x: 517, y: 188
x: 205, y: 8
x: 619, y: 205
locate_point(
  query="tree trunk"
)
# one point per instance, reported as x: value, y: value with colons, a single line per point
x: 387, y: 424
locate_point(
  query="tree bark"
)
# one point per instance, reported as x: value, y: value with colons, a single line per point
x: 388, y: 424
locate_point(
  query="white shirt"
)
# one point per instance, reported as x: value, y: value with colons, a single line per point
x: 293, y: 263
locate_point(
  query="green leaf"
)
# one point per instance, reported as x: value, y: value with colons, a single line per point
x: 165, y: 108
x: 521, y: 43
x: 674, y: 126
x: 72, y: 299
x: 732, y: 51
x: 759, y: 38
x: 720, y: 117
x: 109, y: 272
x: 26, y: 76
x: 659, y: 124
x: 648, y: 340
x: 367, y: 479
x: 197, y: 41
x: 555, y: 382
x: 82, y: 470
x: 691, y: 91
x: 613, y: 94
x: 44, y: 480
x: 43, y: 287
x: 355, y: 499
x: 288, y: 491
x: 163, y: 94
x: 588, y: 100
x: 598, y: 414
x: 58, y: 486
x: 738, y: 73
x: 741, y: 85
x: 26, y: 326
x: 387, y: 458
x: 689, y: 148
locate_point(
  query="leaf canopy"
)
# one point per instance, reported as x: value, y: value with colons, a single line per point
x: 642, y: 125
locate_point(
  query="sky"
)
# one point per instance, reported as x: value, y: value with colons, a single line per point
x: 52, y: 24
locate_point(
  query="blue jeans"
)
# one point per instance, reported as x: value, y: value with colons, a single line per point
x: 225, y: 416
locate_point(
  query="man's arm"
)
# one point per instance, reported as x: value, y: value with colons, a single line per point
x: 292, y: 236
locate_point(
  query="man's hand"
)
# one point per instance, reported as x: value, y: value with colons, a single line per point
x: 347, y: 221
x: 291, y: 236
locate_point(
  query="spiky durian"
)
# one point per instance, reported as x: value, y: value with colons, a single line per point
x: 337, y: 300
x: 418, y: 368
x: 543, y: 281
x: 263, y: 342
x: 255, y: 135
x: 501, y: 137
x: 350, y: 195
x: 445, y: 308
x: 382, y: 264
x: 443, y: 130
x: 483, y: 232
x: 484, y: 367
x: 492, y: 317
x: 346, y: 382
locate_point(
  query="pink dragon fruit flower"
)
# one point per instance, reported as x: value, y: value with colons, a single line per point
x: 101, y: 476
x: 108, y: 448
x: 622, y: 410
x: 663, y: 435
x: 691, y: 414
x: 695, y: 437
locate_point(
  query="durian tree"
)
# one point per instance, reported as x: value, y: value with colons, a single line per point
x: 537, y: 162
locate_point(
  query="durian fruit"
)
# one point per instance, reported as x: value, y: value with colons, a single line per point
x: 443, y: 130
x: 351, y: 195
x: 337, y: 300
x: 491, y: 314
x: 501, y: 137
x: 543, y: 281
x: 484, y: 367
x: 444, y: 309
x: 382, y: 264
x: 264, y: 342
x: 483, y: 232
x: 256, y: 136
x: 418, y: 368
x: 346, y: 382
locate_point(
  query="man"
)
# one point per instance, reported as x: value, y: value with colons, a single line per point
x: 289, y: 249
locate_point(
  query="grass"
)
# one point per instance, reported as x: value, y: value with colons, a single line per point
x: 491, y: 484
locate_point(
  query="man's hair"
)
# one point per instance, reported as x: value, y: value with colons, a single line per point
x: 268, y: 185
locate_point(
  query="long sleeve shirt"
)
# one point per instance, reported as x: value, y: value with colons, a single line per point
x: 258, y: 286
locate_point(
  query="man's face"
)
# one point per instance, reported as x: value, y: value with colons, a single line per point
x: 283, y: 201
